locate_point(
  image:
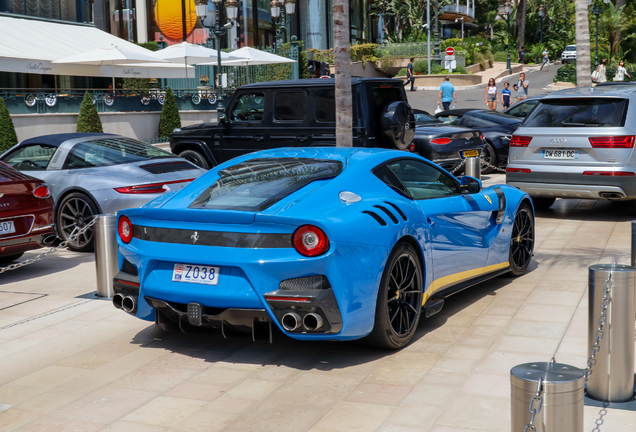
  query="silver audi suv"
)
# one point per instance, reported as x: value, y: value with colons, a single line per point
x: 577, y: 143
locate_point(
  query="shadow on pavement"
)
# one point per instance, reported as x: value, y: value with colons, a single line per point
x: 590, y: 210
x: 57, y: 262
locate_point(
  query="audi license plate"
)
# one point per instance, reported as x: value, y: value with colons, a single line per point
x: 470, y: 153
x: 560, y: 154
x: 195, y: 274
x: 6, y: 227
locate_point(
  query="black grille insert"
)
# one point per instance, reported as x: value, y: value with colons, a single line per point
x: 168, y: 167
x: 397, y: 209
x: 307, y: 283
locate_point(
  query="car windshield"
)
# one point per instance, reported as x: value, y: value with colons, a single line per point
x: 579, y: 112
x: 496, y: 118
x: 424, y: 117
x: 256, y: 184
x: 570, y: 48
x: 113, y: 151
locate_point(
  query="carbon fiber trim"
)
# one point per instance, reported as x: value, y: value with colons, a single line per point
x: 213, y: 238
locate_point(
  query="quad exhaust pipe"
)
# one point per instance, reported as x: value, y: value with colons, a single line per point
x: 291, y: 321
x: 117, y: 300
x: 313, y: 322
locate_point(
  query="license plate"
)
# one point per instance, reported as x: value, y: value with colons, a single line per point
x: 6, y: 227
x: 470, y: 153
x: 195, y: 274
x: 560, y: 154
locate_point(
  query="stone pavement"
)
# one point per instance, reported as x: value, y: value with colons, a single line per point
x: 70, y: 362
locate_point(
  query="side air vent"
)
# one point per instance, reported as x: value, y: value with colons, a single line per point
x: 307, y: 283
x: 168, y: 167
x: 387, y: 212
x: 397, y: 209
x: 377, y: 218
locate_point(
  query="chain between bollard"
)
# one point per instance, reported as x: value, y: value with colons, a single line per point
x: 458, y: 167
x: 489, y: 165
x: 599, y: 331
x: 74, y: 235
x: 530, y: 427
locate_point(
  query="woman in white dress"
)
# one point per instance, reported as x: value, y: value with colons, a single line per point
x: 601, y: 72
x: 621, y: 71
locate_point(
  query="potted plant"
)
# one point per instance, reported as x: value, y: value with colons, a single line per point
x: 204, y: 80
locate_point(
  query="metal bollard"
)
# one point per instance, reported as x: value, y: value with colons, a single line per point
x: 560, y: 407
x: 106, y: 253
x: 612, y: 378
x: 473, y: 167
x: 633, y: 261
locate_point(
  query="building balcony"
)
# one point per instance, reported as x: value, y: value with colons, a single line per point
x: 453, y: 12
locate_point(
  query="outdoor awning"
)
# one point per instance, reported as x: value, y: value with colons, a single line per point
x: 29, y: 45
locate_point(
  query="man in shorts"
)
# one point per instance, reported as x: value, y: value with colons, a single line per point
x: 522, y: 87
x: 446, y: 94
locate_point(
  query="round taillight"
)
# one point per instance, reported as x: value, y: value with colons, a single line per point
x: 440, y: 141
x: 41, y: 192
x: 310, y: 241
x: 125, y: 229
x: 482, y: 137
x: 412, y: 147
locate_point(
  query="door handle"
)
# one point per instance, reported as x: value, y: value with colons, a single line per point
x: 430, y: 221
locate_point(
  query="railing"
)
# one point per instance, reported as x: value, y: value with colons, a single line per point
x: 459, y: 9
x: 42, y: 101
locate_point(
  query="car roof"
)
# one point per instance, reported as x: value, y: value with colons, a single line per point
x: 619, y: 91
x: 57, y: 139
x: 457, y: 112
x: 315, y: 82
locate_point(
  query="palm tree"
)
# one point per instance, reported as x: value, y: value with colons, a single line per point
x: 612, y: 22
x: 583, y: 78
x: 521, y: 23
x: 342, y: 63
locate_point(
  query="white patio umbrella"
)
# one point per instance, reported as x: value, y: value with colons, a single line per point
x: 252, y: 56
x: 112, y: 55
x: 191, y: 54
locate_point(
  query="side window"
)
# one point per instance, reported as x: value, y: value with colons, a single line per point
x: 290, y: 106
x: 35, y: 157
x: 249, y: 107
x: 325, y: 105
x: 423, y: 181
x: 522, y: 109
x: 387, y: 176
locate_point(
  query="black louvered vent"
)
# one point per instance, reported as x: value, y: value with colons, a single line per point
x: 397, y: 209
x: 169, y: 167
x: 387, y: 212
x: 376, y: 217
x: 307, y: 283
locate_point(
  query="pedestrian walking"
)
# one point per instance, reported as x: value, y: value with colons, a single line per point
x: 409, y: 74
x: 600, y: 73
x: 506, y: 95
x: 522, y: 87
x: 546, y: 59
x: 521, y: 54
x: 491, y: 95
x: 446, y: 94
x: 621, y: 71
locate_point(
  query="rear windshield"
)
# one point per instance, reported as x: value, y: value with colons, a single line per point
x: 593, y: 112
x: 110, y: 152
x: 256, y: 184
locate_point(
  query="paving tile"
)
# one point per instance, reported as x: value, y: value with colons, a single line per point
x: 165, y: 411
x: 469, y: 411
x: 351, y: 416
x: 50, y: 377
x: 15, y: 394
x: 124, y: 426
x: 208, y: 421
x: 229, y: 404
x: 275, y: 415
x: 490, y: 385
x: 48, y: 424
x: 199, y: 391
x: 152, y: 378
x: 316, y: 387
x: 254, y: 389
x: 434, y: 395
x: 380, y: 394
x: 416, y: 417
x: 221, y: 376
x: 13, y: 418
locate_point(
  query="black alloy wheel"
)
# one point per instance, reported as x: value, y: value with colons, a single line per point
x: 196, y: 158
x: 399, y: 299
x: 522, y: 240
x: 76, y: 211
x: 488, y: 156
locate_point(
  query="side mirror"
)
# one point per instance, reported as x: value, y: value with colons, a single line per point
x: 470, y: 185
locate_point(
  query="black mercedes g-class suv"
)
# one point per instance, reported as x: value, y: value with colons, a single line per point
x: 299, y: 113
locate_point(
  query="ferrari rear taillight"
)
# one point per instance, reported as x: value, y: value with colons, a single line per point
x: 125, y: 229
x: 520, y: 141
x: 41, y: 192
x: 612, y: 141
x: 518, y: 170
x: 310, y: 241
x: 441, y: 141
x: 149, y: 188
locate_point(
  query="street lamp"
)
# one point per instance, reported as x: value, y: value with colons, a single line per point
x: 462, y: 20
x: 541, y: 14
x: 280, y: 17
x: 507, y: 11
x: 596, y: 10
x: 231, y: 10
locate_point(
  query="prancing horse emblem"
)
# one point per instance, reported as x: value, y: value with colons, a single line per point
x: 194, y: 237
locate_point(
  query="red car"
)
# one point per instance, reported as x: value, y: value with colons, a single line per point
x: 26, y: 214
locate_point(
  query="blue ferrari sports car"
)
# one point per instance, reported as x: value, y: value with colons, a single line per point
x: 324, y: 243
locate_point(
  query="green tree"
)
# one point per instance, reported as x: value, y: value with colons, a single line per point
x: 612, y: 23
x: 170, y: 119
x: 8, y: 138
x: 88, y: 119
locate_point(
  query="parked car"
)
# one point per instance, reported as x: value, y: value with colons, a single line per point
x: 496, y: 128
x: 298, y: 113
x: 323, y: 243
x: 89, y: 174
x: 522, y: 108
x: 424, y: 118
x: 577, y: 144
x: 569, y: 54
x: 26, y: 214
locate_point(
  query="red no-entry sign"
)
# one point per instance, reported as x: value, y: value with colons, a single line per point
x: 450, y: 51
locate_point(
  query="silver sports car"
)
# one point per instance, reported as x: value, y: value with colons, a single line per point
x: 91, y: 174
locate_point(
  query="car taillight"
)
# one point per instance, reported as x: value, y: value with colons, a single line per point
x: 310, y: 241
x: 609, y: 173
x: 149, y: 188
x: 482, y: 137
x: 125, y: 229
x: 518, y: 170
x: 440, y: 141
x: 41, y: 192
x: 520, y: 141
x: 412, y: 147
x: 612, y: 141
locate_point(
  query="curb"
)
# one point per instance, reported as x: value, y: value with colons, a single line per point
x: 483, y: 85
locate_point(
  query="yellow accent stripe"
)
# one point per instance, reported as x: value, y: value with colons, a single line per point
x: 449, y: 280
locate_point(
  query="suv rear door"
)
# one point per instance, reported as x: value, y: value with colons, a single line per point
x: 575, y: 131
